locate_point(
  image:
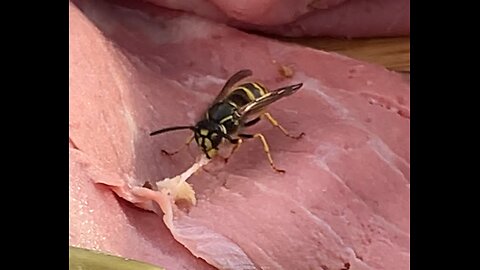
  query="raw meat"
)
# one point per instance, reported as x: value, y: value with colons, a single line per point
x: 99, y: 221
x: 335, y: 18
x: 351, y: 19
x: 344, y: 201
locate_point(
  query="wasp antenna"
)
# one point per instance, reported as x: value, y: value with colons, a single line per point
x: 172, y: 129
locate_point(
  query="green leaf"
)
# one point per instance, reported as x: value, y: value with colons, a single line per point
x: 84, y: 259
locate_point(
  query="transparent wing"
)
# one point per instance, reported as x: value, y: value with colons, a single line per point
x: 234, y: 79
x: 260, y: 103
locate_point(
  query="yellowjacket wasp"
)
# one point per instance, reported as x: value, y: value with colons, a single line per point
x: 235, y: 107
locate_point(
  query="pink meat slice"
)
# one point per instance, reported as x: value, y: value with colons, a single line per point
x: 351, y: 19
x: 336, y: 18
x: 267, y: 12
x: 99, y: 221
x: 344, y: 201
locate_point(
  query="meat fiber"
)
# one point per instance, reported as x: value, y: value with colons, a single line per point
x: 335, y: 18
x: 343, y: 202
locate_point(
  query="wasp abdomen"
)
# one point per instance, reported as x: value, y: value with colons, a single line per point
x: 245, y: 93
x: 225, y: 112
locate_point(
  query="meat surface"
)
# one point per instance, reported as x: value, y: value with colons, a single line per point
x: 343, y: 202
x: 295, y: 18
x: 99, y: 221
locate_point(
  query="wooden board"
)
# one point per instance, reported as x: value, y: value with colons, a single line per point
x: 393, y: 53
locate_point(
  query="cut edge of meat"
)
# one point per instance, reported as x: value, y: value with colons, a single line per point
x: 202, y: 246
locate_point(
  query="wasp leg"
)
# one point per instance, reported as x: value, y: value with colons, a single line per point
x: 252, y: 122
x: 266, y: 148
x: 276, y: 124
x: 190, y: 139
x: 234, y: 149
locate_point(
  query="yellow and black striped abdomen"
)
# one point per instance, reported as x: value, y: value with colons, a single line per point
x: 225, y: 113
x: 245, y: 93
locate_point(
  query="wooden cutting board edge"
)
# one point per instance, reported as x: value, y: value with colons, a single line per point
x: 391, y: 52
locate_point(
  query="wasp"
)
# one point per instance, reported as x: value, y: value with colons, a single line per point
x: 236, y: 107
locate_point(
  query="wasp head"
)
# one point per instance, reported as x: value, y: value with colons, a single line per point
x: 208, y: 136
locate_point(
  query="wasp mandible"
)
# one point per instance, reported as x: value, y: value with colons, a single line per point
x: 236, y: 107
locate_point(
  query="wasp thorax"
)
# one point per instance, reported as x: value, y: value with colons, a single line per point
x: 208, y: 137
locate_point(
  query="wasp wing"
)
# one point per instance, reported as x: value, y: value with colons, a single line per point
x: 262, y: 102
x: 234, y: 79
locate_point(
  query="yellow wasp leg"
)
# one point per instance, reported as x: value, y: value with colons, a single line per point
x: 234, y: 149
x: 276, y: 124
x: 266, y: 148
x: 189, y: 140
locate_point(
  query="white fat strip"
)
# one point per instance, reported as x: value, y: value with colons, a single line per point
x: 178, y: 187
